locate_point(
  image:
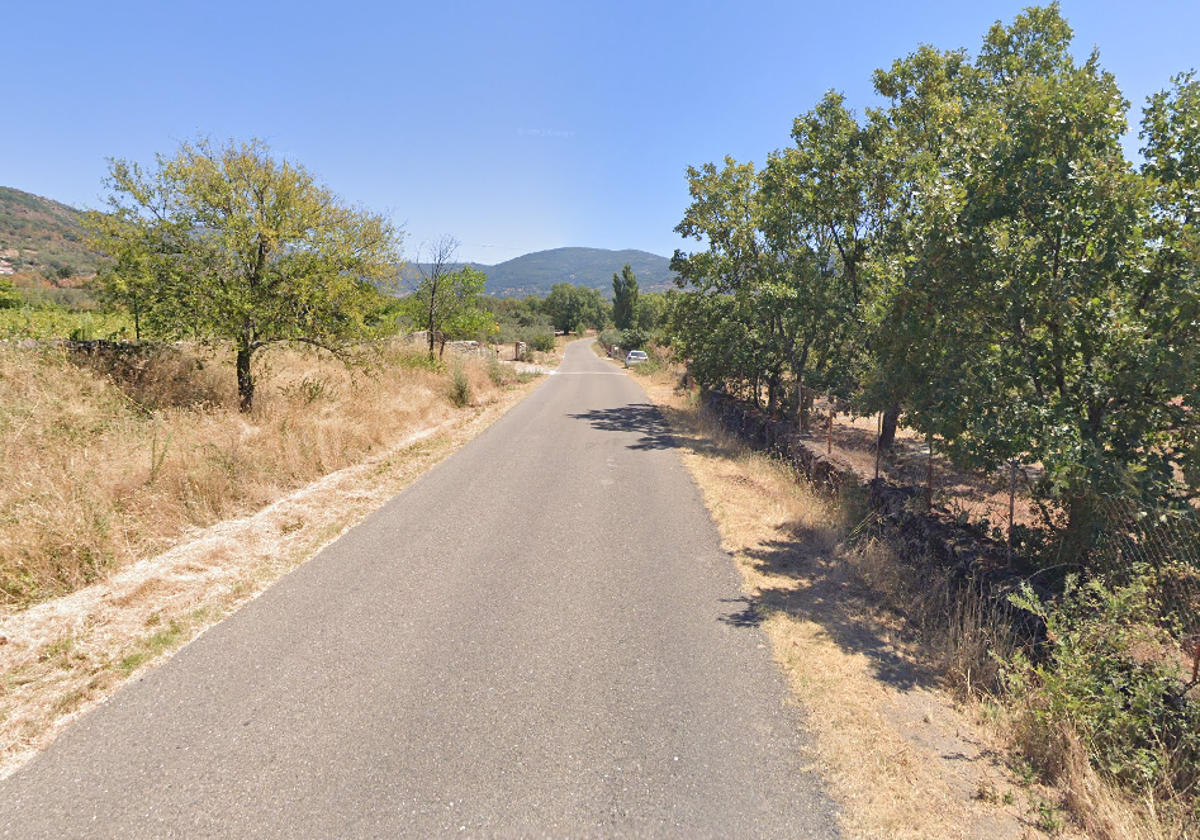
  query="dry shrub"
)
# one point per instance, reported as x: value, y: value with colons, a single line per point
x: 967, y: 633
x: 110, y: 461
x: 1103, y: 809
x: 158, y: 376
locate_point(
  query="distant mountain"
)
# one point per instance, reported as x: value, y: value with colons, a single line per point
x: 43, y: 237
x: 534, y: 274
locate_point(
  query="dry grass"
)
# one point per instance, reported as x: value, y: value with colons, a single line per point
x: 1104, y: 810
x: 64, y: 655
x: 901, y: 758
x: 105, y: 464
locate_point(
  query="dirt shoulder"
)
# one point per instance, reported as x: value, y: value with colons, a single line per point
x: 901, y: 757
x: 62, y: 657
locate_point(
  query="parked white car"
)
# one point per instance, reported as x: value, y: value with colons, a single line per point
x: 636, y: 356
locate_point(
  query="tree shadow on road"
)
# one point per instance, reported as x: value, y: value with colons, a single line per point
x: 653, y: 423
x: 639, y: 418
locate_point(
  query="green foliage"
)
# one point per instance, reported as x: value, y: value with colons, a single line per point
x: 447, y: 305
x: 625, y: 298
x: 980, y: 252
x: 651, y: 311
x: 634, y: 339
x: 1113, y: 676
x: 231, y: 244
x: 9, y: 297
x: 541, y: 341
x: 51, y: 324
x: 573, y: 308
x: 460, y: 387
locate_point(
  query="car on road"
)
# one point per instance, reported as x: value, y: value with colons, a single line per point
x: 636, y: 356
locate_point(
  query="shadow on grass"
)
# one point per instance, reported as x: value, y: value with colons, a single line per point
x: 809, y: 579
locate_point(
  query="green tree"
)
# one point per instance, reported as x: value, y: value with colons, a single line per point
x: 1022, y: 307
x: 821, y: 207
x: 625, y: 298
x: 231, y: 244
x: 572, y: 307
x: 651, y: 311
x: 445, y: 301
x: 1171, y: 290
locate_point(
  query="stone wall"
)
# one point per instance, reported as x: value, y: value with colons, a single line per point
x: 959, y: 549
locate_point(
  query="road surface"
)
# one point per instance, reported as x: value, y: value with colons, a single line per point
x: 539, y: 638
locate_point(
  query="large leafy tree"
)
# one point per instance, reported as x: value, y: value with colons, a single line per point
x: 1169, y: 298
x: 232, y: 244
x: 571, y: 308
x: 821, y: 202
x: 729, y: 276
x: 1023, y: 309
x: 915, y: 256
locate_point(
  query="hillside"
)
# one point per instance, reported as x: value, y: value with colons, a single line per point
x: 42, y: 237
x: 534, y: 274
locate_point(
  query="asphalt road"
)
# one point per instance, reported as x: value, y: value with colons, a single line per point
x: 540, y: 637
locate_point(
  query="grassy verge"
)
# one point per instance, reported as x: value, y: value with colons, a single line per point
x: 1099, y: 734
x: 63, y: 654
x: 110, y: 460
x: 902, y: 756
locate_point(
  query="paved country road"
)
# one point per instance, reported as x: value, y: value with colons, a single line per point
x: 539, y: 638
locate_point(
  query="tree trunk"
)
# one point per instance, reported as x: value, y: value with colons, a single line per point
x: 801, y: 415
x: 891, y: 419
x: 1080, y: 534
x: 245, y: 380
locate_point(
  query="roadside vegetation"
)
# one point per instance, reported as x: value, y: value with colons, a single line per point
x: 112, y: 457
x: 977, y: 267
x: 244, y: 335
x: 853, y: 630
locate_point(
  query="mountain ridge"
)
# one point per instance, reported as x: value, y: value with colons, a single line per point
x: 42, y: 236
x: 536, y: 272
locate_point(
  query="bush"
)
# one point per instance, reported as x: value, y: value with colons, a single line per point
x: 543, y: 342
x: 1112, y: 675
x: 9, y: 297
x: 460, y: 387
x: 495, y: 371
x: 634, y: 339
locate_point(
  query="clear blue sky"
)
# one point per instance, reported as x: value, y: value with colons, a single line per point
x: 516, y: 126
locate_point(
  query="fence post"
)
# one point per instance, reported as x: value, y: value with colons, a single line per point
x: 829, y: 429
x: 929, y: 476
x: 1012, y: 504
x: 878, y: 435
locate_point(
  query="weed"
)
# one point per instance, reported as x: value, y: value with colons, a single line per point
x: 460, y: 388
x: 1109, y: 679
x: 1049, y: 819
x: 153, y: 646
x: 495, y: 372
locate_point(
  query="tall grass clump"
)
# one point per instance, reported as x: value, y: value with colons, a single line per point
x: 111, y: 458
x: 460, y: 387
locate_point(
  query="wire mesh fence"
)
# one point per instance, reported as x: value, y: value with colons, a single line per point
x: 1164, y: 541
